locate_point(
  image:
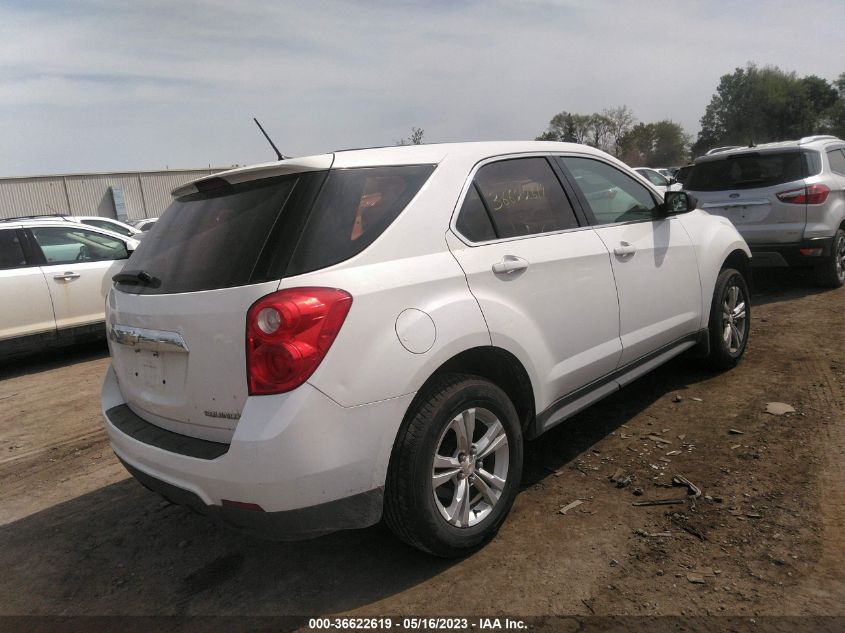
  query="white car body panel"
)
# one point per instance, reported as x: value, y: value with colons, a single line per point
x: 713, y: 243
x: 289, y: 451
x: 31, y: 312
x: 663, y: 257
x: 78, y: 290
x: 533, y: 319
x: 176, y: 389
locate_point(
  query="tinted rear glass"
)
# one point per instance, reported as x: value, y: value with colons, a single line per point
x: 748, y: 171
x: 354, y: 207
x: 234, y: 235
x: 11, y: 253
x: 215, y: 239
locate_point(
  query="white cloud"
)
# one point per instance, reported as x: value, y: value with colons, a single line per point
x: 177, y: 83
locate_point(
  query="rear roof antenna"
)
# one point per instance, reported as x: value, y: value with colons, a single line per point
x: 269, y: 140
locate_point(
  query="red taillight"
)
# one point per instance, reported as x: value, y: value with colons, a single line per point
x: 814, y: 194
x: 288, y: 333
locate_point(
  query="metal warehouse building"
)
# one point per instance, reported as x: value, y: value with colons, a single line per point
x: 119, y: 195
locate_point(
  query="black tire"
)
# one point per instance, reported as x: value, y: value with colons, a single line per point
x: 726, y: 352
x: 831, y: 273
x: 411, y: 509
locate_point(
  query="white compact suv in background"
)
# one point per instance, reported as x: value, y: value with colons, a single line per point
x: 312, y: 344
x: 658, y: 179
x: 108, y: 224
x: 54, y: 276
x: 786, y: 199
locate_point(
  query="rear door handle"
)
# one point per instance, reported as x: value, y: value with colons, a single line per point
x: 624, y: 250
x: 67, y: 276
x: 510, y: 264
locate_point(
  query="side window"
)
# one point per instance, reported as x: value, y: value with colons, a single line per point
x: 612, y: 194
x: 11, y: 251
x: 837, y: 161
x: 655, y: 178
x: 473, y: 220
x: 68, y: 245
x: 523, y: 197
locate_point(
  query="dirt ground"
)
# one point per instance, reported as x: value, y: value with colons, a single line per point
x: 77, y: 536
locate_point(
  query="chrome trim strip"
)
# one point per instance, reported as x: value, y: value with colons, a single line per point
x: 154, y: 340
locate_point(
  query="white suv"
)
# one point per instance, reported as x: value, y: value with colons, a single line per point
x: 786, y: 199
x: 54, y: 276
x: 307, y: 345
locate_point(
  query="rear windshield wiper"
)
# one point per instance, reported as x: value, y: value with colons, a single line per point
x: 140, y: 277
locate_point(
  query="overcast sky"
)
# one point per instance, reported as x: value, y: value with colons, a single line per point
x: 106, y: 86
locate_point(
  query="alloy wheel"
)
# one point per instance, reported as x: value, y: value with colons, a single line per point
x: 734, y: 318
x: 470, y: 467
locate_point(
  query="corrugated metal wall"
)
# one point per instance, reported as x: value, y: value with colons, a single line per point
x: 147, y: 194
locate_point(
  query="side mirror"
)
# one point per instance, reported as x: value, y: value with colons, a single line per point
x: 675, y: 202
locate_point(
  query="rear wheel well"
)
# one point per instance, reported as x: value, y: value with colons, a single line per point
x: 499, y: 367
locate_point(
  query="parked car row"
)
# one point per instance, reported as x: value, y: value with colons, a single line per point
x: 317, y: 343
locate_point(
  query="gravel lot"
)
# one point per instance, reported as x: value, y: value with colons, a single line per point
x: 77, y: 536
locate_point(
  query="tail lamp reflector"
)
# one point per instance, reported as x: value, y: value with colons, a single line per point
x: 288, y: 333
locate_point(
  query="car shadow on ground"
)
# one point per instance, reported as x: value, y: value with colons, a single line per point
x: 558, y: 448
x: 773, y: 285
x: 52, y: 358
x: 123, y: 550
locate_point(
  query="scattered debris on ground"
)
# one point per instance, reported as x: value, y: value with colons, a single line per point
x: 779, y: 408
x: 570, y: 506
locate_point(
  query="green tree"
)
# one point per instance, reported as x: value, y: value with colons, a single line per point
x: 637, y: 145
x: 603, y: 130
x: 760, y: 105
x: 833, y: 119
x: 655, y: 144
x: 671, y: 145
x: 568, y: 127
x: 620, y: 121
x: 416, y: 137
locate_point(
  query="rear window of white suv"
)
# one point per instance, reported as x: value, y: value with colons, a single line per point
x: 233, y: 235
x: 751, y: 170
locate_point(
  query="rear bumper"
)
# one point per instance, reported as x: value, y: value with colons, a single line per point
x: 778, y: 255
x: 307, y: 465
x: 358, y: 510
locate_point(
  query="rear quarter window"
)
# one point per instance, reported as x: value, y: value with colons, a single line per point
x: 354, y: 207
x: 837, y: 161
